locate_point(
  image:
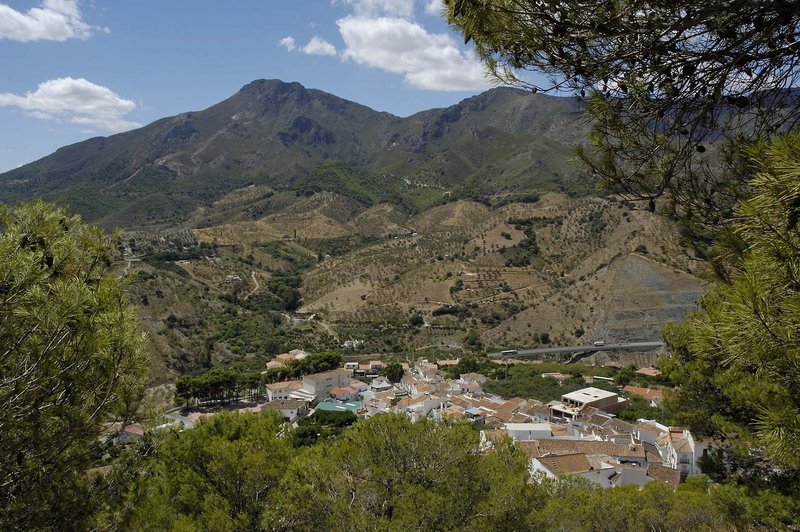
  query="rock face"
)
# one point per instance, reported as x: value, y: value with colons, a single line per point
x: 644, y: 295
x: 277, y: 134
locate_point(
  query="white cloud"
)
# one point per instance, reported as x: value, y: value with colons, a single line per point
x: 426, y: 60
x: 434, y: 7
x: 55, y: 20
x: 379, y: 8
x: 288, y: 42
x: 319, y: 46
x: 77, y: 101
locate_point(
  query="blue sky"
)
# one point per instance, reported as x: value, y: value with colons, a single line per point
x: 71, y: 70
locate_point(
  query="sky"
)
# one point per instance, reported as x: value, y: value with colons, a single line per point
x: 76, y: 69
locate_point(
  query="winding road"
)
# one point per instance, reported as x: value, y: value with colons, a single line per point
x: 631, y: 346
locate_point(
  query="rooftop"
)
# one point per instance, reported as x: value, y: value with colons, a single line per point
x: 285, y: 404
x: 545, y: 427
x: 545, y: 447
x: 586, y: 395
x: 566, y: 464
x: 352, y: 406
x: 285, y: 385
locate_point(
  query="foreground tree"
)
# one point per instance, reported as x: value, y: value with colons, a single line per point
x: 221, y: 475
x: 664, y: 79
x: 736, y: 361
x: 387, y: 473
x: 72, y: 357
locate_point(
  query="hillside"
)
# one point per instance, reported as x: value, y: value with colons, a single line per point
x: 287, y: 137
x: 285, y: 217
x: 319, y: 272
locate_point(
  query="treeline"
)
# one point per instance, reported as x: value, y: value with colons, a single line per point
x: 252, y: 472
x: 522, y: 253
x: 165, y: 260
x: 231, y: 383
x: 282, y: 294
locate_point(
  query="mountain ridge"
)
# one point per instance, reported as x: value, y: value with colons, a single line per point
x: 278, y: 134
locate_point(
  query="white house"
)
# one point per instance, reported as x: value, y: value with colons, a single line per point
x: 683, y: 451
x: 290, y: 409
x: 528, y: 431
x: 282, y: 390
x: 319, y: 385
x: 380, y: 384
x: 573, y: 403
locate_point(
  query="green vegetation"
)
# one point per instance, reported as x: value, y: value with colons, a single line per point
x: 234, y: 472
x: 522, y: 253
x: 523, y: 380
x: 217, y: 476
x: 73, y: 357
x: 640, y: 409
x: 323, y: 425
x: 735, y: 361
x: 662, y: 89
x: 366, y: 187
x: 226, y: 383
x: 393, y: 371
x: 248, y: 334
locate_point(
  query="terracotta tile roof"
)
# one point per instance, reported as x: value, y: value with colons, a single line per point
x: 664, y: 474
x: 408, y: 401
x: 453, y: 413
x: 566, y: 464
x: 649, y: 394
x: 560, y: 430
x: 537, y: 448
x: 344, y: 390
x: 618, y: 425
x: 652, y: 453
x: 134, y: 429
x: 649, y: 372
x: 285, y: 385
x: 647, y: 427
x: 493, y: 421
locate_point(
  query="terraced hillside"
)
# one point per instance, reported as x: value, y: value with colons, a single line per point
x: 286, y: 217
x: 452, y: 277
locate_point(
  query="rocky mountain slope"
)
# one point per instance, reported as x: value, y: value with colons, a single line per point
x: 285, y: 217
x: 288, y: 137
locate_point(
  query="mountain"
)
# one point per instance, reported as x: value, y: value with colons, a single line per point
x: 285, y: 136
x: 285, y: 217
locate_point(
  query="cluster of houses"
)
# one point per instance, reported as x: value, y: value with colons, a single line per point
x: 578, y: 435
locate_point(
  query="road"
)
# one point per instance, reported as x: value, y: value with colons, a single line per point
x: 632, y: 346
x: 255, y: 281
x: 174, y: 414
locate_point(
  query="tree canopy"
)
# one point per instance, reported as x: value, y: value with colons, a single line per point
x: 666, y: 81
x: 735, y: 362
x: 241, y: 472
x: 73, y: 357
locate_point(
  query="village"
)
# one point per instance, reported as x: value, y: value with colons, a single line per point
x: 578, y: 435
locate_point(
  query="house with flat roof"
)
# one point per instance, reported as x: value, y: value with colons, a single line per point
x: 317, y: 386
x: 528, y: 431
x: 573, y: 403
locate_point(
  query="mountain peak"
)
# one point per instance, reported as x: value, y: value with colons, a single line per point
x: 272, y: 94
